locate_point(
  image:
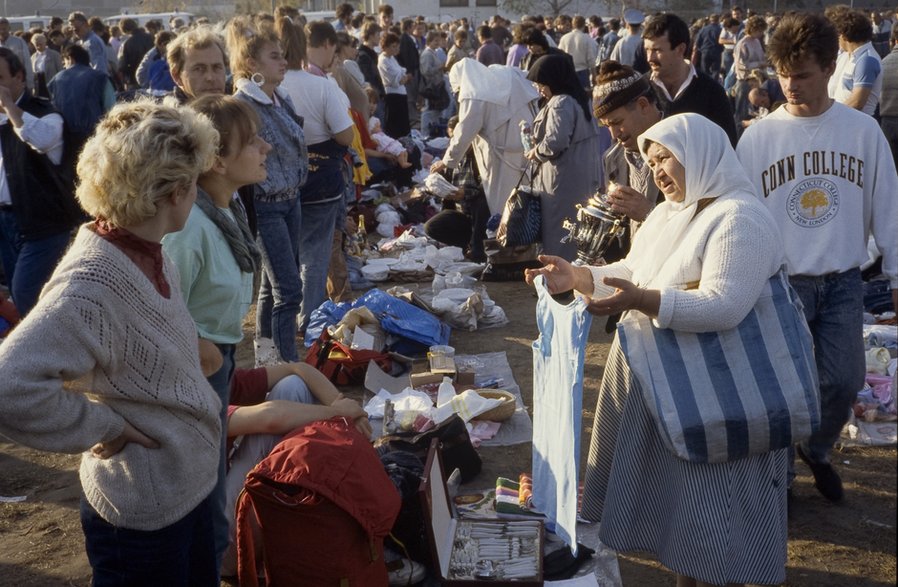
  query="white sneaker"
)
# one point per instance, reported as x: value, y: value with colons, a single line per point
x: 266, y: 353
x: 403, y: 571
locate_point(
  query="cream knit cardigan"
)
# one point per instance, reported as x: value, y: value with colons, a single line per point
x: 101, y: 347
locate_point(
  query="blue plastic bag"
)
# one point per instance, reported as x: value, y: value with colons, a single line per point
x: 403, y: 319
x: 327, y: 314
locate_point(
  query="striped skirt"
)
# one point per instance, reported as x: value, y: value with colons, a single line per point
x: 718, y: 523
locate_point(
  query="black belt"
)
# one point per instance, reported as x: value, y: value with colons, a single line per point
x: 6, y: 208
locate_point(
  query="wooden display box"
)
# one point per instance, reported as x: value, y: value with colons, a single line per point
x: 453, y: 541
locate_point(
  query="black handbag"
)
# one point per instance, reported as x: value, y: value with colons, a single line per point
x: 455, y: 446
x: 521, y: 222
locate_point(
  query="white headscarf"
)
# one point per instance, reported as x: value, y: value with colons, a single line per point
x: 475, y: 81
x: 712, y: 170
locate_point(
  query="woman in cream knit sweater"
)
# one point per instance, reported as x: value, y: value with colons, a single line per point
x: 107, y: 364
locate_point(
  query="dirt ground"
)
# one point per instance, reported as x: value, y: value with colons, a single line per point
x: 851, y: 544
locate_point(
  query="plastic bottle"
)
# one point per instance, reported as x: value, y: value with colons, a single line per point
x: 445, y: 392
x: 526, y: 138
x: 361, y: 236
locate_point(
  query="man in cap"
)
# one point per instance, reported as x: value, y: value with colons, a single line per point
x: 625, y: 50
x: 679, y: 86
x: 625, y: 103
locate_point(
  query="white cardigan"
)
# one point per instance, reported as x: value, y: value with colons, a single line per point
x: 715, y: 273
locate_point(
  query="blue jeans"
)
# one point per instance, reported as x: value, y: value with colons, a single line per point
x: 280, y: 292
x: 583, y: 77
x: 179, y: 555
x: 28, y: 264
x: 833, y: 307
x: 221, y: 383
x: 316, y: 238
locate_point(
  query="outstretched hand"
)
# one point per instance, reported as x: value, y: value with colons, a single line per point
x: 627, y: 296
x: 558, y: 272
x: 560, y: 275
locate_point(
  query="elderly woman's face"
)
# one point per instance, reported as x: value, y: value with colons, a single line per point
x: 669, y: 173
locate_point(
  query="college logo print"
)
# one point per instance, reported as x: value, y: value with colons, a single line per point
x: 813, y: 202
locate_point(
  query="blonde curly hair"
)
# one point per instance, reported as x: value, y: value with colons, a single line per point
x: 141, y: 153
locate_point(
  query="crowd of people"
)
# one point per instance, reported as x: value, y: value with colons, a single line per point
x: 157, y: 181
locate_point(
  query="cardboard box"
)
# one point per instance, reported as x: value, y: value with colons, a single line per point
x: 456, y: 548
x: 463, y: 379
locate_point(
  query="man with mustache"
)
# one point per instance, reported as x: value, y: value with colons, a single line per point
x: 679, y: 86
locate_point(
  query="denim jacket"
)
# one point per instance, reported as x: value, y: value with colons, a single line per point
x: 77, y: 93
x: 288, y: 160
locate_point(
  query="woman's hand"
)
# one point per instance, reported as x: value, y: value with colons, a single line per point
x: 531, y: 155
x: 210, y: 357
x: 627, y: 296
x: 351, y: 409
x: 560, y: 275
x: 104, y: 450
x: 437, y: 166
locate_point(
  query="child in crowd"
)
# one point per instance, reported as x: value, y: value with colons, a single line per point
x: 386, y: 144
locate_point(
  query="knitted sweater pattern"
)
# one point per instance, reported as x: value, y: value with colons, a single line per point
x: 125, y: 353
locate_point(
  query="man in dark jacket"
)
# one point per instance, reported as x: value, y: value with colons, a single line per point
x: 133, y: 50
x: 709, y: 48
x: 37, y: 212
x: 679, y: 86
x: 82, y: 95
x: 410, y: 59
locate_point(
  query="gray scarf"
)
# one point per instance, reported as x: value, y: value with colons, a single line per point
x: 238, y: 235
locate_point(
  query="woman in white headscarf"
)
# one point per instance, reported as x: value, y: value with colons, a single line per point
x: 698, y: 264
x: 492, y: 102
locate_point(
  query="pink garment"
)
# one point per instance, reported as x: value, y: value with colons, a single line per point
x: 386, y: 144
x: 483, y: 430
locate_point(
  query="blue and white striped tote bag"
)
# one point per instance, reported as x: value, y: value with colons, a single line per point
x: 722, y: 396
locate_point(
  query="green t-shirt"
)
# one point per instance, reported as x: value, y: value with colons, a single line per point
x: 217, y: 292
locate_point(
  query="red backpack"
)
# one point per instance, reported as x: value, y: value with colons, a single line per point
x: 324, y: 504
x: 341, y: 364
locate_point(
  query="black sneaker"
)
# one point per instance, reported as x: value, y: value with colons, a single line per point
x: 826, y: 480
